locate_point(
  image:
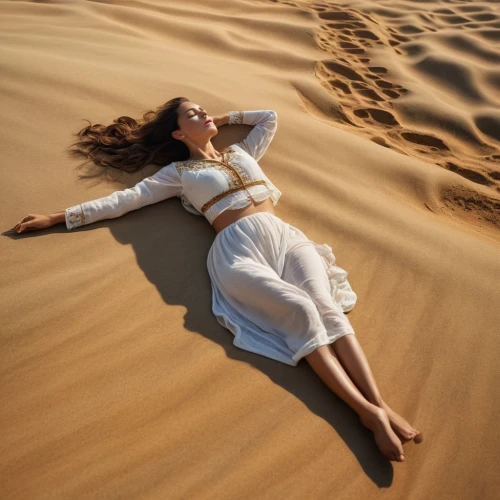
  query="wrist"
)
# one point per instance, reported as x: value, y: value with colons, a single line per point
x: 221, y: 120
x: 57, y: 217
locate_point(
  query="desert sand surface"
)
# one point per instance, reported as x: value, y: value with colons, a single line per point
x: 117, y: 381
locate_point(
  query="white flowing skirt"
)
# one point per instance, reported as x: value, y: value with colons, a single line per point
x: 279, y: 293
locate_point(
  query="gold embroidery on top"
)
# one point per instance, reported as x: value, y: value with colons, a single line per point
x: 222, y: 195
x: 75, y: 216
x: 237, y: 175
x: 239, y: 178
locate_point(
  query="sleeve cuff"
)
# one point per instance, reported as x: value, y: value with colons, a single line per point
x: 74, y: 217
x: 235, y: 117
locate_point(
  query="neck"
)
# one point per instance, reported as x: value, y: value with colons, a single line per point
x: 208, y: 153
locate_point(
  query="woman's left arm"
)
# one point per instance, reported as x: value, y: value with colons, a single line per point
x: 265, y: 122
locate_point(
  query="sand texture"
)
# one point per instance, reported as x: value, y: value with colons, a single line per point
x: 117, y: 382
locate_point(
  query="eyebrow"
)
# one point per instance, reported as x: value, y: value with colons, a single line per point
x: 191, y: 109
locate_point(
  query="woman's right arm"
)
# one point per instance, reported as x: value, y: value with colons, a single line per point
x: 166, y: 183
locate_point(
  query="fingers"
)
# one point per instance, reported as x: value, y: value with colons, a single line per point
x: 24, y: 224
x: 21, y: 221
x: 27, y: 226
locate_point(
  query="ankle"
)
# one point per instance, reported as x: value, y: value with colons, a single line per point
x: 374, y: 399
x: 379, y: 402
x: 383, y: 405
x: 370, y: 410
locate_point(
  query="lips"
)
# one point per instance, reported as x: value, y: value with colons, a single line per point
x: 207, y: 122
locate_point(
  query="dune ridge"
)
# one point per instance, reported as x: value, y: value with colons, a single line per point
x: 422, y: 80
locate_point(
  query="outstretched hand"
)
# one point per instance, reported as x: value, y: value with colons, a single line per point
x: 33, y: 222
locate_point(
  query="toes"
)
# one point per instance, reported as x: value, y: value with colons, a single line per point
x: 395, y: 456
x: 409, y: 436
x: 405, y: 437
x: 418, y: 438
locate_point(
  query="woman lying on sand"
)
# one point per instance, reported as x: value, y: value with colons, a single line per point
x: 279, y: 293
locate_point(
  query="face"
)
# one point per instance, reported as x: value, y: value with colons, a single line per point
x: 192, y: 119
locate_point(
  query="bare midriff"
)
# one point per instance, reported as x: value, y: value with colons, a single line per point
x: 229, y: 216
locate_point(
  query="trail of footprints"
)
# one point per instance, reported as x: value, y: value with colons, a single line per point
x: 365, y: 93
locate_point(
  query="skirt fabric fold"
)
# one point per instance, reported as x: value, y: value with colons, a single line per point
x: 279, y: 293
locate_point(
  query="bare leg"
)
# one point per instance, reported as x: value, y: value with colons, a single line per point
x: 353, y: 359
x: 304, y: 268
x: 331, y: 372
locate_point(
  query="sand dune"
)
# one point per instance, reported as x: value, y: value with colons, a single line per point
x: 117, y: 381
x: 423, y: 81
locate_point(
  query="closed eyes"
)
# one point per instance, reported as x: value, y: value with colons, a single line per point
x: 201, y: 109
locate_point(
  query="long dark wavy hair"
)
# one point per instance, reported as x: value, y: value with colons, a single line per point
x: 129, y: 145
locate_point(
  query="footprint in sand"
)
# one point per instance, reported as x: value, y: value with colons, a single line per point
x: 367, y: 95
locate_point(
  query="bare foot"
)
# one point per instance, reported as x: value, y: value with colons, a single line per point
x: 387, y: 441
x: 401, y: 427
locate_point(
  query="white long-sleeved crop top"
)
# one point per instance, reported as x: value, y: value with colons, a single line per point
x: 205, y: 187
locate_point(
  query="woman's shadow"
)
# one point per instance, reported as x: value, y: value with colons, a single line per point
x: 171, y: 246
